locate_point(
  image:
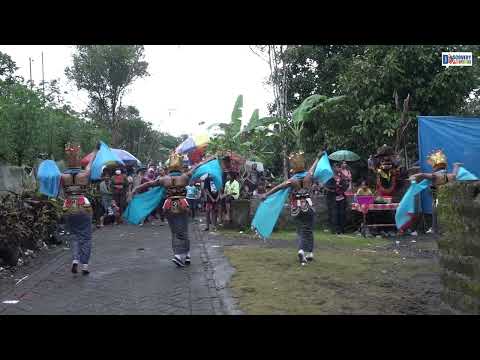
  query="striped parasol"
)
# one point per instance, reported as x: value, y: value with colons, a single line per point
x: 192, y: 143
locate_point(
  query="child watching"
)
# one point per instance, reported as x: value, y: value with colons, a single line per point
x: 364, y: 189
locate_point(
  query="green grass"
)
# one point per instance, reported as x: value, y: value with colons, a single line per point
x: 339, y: 281
x: 321, y: 238
x: 327, y: 239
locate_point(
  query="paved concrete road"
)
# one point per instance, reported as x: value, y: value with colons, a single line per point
x: 131, y: 273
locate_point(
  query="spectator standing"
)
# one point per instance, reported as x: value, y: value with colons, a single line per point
x: 106, y: 195
x: 199, y: 196
x: 253, y: 177
x: 192, y: 194
x: 212, y: 199
x: 346, y: 174
x: 120, y: 186
x: 137, y: 180
x: 341, y: 185
x: 130, y: 184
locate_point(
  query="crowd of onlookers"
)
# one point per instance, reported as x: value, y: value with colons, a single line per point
x: 114, y: 192
x: 115, y: 189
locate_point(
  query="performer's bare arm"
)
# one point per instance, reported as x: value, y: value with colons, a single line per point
x: 157, y: 182
x: 431, y: 176
x: 279, y: 187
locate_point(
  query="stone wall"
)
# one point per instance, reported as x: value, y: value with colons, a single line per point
x: 16, y: 179
x: 243, y: 212
x: 459, y: 245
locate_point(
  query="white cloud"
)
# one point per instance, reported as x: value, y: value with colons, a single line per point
x: 199, y: 82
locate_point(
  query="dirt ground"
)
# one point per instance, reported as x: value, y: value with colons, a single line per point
x: 350, y: 275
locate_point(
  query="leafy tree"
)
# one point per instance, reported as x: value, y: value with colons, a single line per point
x: 375, y: 80
x: 105, y: 72
x: 20, y: 117
x: 7, y: 67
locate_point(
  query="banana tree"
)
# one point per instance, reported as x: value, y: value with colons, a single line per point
x: 227, y: 138
x: 310, y: 109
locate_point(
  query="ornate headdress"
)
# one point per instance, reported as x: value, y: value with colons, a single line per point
x: 437, y: 159
x: 71, y: 149
x: 175, y: 162
x: 72, y: 153
x: 297, y: 161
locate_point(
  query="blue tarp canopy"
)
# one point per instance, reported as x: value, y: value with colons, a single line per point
x: 458, y: 137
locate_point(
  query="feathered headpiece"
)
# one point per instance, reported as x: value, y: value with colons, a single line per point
x: 297, y: 161
x: 175, y: 162
x: 437, y: 159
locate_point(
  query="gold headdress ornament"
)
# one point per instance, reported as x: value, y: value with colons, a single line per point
x: 437, y: 159
x: 297, y: 161
x: 175, y: 162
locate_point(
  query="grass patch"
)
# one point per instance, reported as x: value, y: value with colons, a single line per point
x: 339, y: 281
x: 326, y: 238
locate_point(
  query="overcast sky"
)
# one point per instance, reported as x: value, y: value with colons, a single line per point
x: 188, y: 84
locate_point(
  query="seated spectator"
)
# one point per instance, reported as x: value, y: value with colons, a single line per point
x: 261, y: 189
x: 364, y: 189
x: 112, y: 214
x: 245, y: 191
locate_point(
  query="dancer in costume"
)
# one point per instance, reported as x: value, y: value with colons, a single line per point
x: 301, y: 206
x: 438, y: 161
x: 176, y: 205
x: 77, y: 208
x: 439, y: 176
x: 405, y: 214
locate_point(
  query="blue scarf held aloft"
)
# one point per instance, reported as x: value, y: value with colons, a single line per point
x: 49, y: 178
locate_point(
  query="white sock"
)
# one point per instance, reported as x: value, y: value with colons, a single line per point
x: 75, y: 262
x: 85, y: 267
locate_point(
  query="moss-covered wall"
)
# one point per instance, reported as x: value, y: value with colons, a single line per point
x: 459, y: 244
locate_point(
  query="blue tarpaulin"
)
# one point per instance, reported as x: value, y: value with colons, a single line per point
x: 458, y: 137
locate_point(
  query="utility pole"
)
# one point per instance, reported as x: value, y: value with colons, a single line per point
x: 31, y: 82
x: 43, y: 77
